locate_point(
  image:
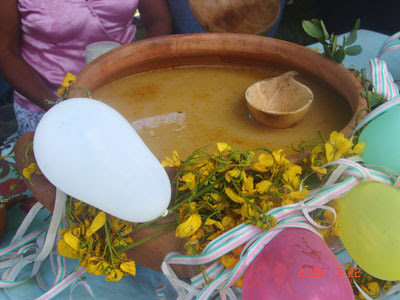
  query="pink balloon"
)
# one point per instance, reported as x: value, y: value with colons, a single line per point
x: 296, y: 264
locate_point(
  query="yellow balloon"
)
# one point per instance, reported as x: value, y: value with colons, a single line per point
x: 369, y: 227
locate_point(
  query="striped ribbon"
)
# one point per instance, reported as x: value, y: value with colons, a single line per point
x: 34, y: 248
x: 380, y: 76
x: 255, y: 239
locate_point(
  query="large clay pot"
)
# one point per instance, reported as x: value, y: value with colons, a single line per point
x: 225, y: 49
x: 202, y: 49
x: 239, y: 16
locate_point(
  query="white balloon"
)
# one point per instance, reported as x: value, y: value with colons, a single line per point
x: 88, y: 150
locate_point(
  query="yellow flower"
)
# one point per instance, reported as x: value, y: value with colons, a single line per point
x: 232, y: 174
x: 116, y: 223
x: 247, y: 210
x: 78, y: 206
x: 189, y: 227
x: 66, y: 250
x: 264, y: 163
x: 341, y: 144
x: 96, y: 224
x: 228, y: 223
x: 279, y: 158
x: 359, y: 148
x: 317, y: 160
x: 290, y: 175
x: 372, y: 288
x: 214, y: 235
x: 216, y: 197
x: 233, y: 195
x: 172, y: 162
x: 248, y: 185
x: 68, y: 80
x: 267, y: 205
x: 294, y: 197
x: 129, y: 267
x: 210, y: 222
x: 78, y: 230
x: 127, y: 227
x: 95, y: 266
x: 229, y: 261
x: 190, y: 181
x: 263, y: 186
x: 29, y: 170
x: 123, y: 241
x: 114, y: 275
x: 329, y: 151
x: 205, y: 169
x: 223, y: 147
x: 71, y: 240
x: 61, y: 90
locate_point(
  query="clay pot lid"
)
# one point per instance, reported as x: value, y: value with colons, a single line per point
x: 279, y: 102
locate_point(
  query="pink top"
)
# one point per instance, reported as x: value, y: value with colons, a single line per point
x: 55, y: 34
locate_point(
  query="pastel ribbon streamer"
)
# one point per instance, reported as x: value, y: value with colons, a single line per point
x: 14, y: 258
x: 381, y: 77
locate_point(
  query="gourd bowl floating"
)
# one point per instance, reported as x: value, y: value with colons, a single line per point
x: 279, y: 102
x: 224, y: 50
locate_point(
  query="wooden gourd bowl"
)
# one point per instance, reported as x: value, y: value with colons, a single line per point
x: 199, y: 49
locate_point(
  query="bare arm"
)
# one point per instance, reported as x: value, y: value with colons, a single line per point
x: 156, y: 17
x: 22, y: 77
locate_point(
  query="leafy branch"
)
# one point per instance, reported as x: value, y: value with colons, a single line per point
x: 316, y: 29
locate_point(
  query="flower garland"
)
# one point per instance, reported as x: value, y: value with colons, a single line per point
x: 222, y: 190
x: 213, y: 194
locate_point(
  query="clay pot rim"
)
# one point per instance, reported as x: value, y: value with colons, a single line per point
x: 223, y: 49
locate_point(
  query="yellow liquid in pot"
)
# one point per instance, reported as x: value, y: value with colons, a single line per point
x: 186, y: 108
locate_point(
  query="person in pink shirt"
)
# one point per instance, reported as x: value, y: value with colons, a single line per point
x: 42, y: 40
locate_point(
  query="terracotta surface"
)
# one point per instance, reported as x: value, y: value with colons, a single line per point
x: 227, y: 50
x: 200, y: 49
x: 234, y: 15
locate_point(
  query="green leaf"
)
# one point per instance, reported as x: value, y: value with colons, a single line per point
x: 353, y: 50
x: 326, y: 34
x: 334, y: 44
x: 351, y: 38
x: 357, y: 25
x: 312, y: 29
x: 339, y: 56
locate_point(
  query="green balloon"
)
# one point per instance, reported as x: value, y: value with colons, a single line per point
x: 382, y: 138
